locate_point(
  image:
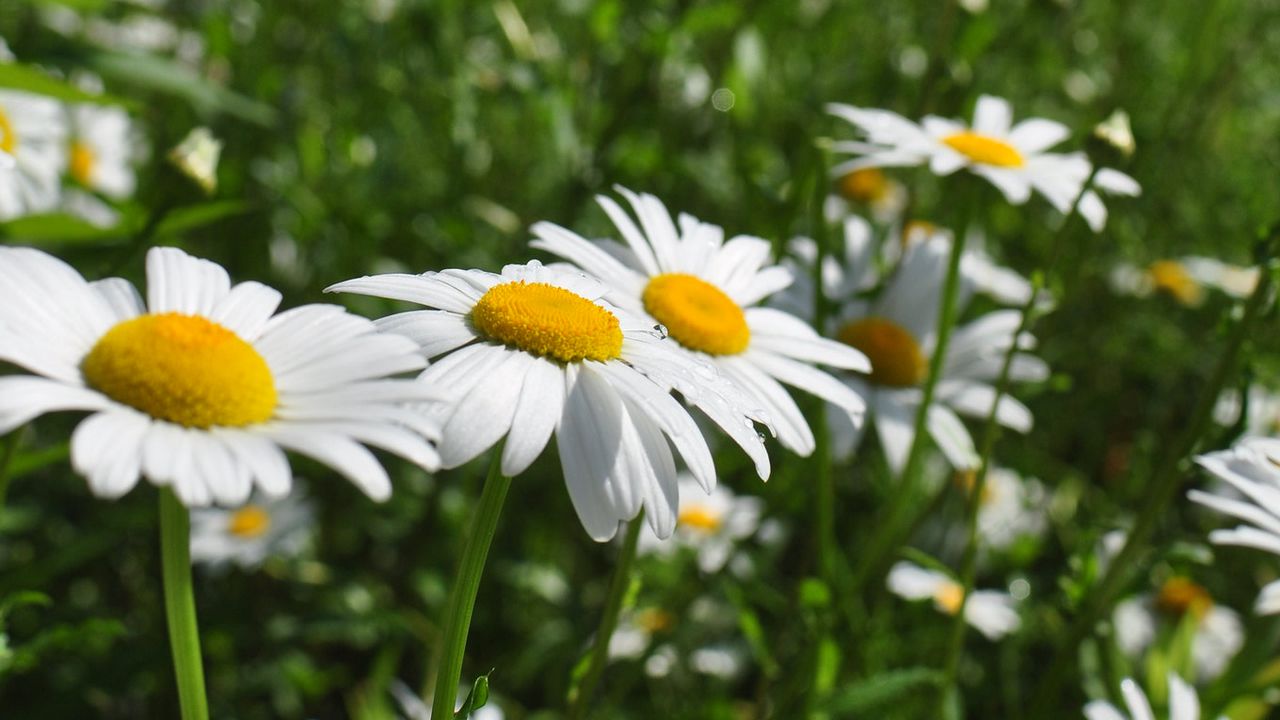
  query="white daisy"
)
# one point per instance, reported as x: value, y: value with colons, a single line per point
x: 991, y: 612
x: 1250, y: 470
x: 1262, y: 410
x: 1004, y: 285
x: 248, y: 535
x: 1184, y: 704
x: 1184, y: 279
x: 706, y: 293
x: 898, y: 332
x: 101, y: 149
x: 33, y: 135
x: 536, y: 350
x: 1010, y: 508
x: 1219, y: 633
x: 635, y: 631
x: 203, y: 385
x: 884, y: 196
x: 711, y: 525
x: 1014, y: 158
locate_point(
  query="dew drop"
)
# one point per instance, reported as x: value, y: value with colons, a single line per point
x: 660, y: 331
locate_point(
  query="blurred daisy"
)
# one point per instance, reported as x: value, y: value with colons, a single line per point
x: 1010, y: 508
x: 711, y: 525
x: 413, y: 707
x: 248, y: 535
x: 1014, y: 158
x: 897, y: 331
x: 536, y: 350
x: 1002, y: 284
x: 635, y: 632
x: 842, y: 278
x: 100, y: 161
x: 1251, y: 472
x: 33, y: 135
x: 870, y: 188
x: 1218, y: 634
x: 202, y: 386
x: 1186, y: 280
x: 1260, y: 405
x: 991, y: 612
x: 705, y: 292
x: 1184, y: 704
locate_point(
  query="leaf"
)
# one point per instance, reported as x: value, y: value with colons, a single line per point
x: 22, y: 599
x: 64, y: 229
x: 23, y: 77
x: 189, y: 218
x: 476, y: 699
x: 167, y: 76
x: 855, y: 700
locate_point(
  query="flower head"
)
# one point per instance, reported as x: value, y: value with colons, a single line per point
x: 33, y: 134
x: 1184, y: 704
x: 711, y: 525
x: 248, y: 535
x: 991, y: 612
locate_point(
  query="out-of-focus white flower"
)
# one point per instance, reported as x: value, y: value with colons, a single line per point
x: 197, y: 157
x: 991, y: 612
x: 1004, y: 285
x: 720, y: 661
x: 248, y: 535
x: 711, y: 525
x: 1218, y: 636
x: 1011, y: 507
x: 884, y: 196
x: 1184, y: 279
x: 635, y: 632
x: 33, y: 133
x: 1262, y: 416
x: 101, y: 149
x: 1116, y: 132
x: 1184, y: 704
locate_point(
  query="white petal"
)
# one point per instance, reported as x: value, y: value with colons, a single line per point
x: 484, y: 415
x: 537, y: 411
x: 435, y: 331
x: 246, y: 309
x: 349, y: 458
x: 992, y: 116
x: 105, y: 449
x: 121, y: 296
x: 178, y: 282
x: 1139, y: 708
x: 953, y: 439
x: 1037, y: 134
x: 589, y: 436
x: 23, y: 398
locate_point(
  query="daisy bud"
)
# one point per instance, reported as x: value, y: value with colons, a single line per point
x: 1115, y: 135
x: 197, y: 157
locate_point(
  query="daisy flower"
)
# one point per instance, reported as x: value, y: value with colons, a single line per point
x: 1184, y: 704
x: 635, y: 631
x: 1250, y: 470
x: 1260, y: 405
x: 706, y: 292
x: 32, y: 153
x: 711, y: 524
x: 101, y: 149
x: 248, y: 535
x: 1010, y: 508
x: 1014, y: 158
x: 991, y: 612
x: 1004, y: 285
x: 897, y: 331
x: 535, y: 351
x: 202, y: 386
x: 1186, y: 280
x: 1218, y: 633
x: 871, y: 188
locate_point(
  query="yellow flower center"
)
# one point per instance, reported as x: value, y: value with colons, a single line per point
x: 896, y: 357
x: 1179, y: 595
x: 184, y: 369
x: 948, y: 596
x: 654, y: 620
x: 82, y: 162
x: 547, y: 321
x: 984, y: 149
x: 1171, y: 277
x: 699, y: 517
x: 866, y: 185
x: 8, y: 139
x: 697, y: 314
x: 915, y: 230
x: 249, y: 522
x: 968, y: 479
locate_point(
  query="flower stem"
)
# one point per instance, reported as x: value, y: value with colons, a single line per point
x: 1166, y: 481
x: 990, y: 431
x: 825, y: 497
x: 180, y: 606
x: 462, y: 598
x: 6, y: 458
x: 618, y: 588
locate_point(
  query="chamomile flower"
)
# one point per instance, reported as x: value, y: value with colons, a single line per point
x: 706, y: 292
x: 1260, y: 405
x: 871, y: 188
x: 1014, y: 158
x: 202, y: 386
x: 33, y: 135
x: 991, y: 612
x: 248, y: 535
x: 1010, y: 508
x: 1184, y: 704
x: 1186, y: 280
x: 536, y: 351
x: 711, y: 525
x: 101, y: 149
x: 1250, y: 470
x: 897, y: 331
x: 1219, y: 633
x: 1004, y: 285
x: 636, y: 630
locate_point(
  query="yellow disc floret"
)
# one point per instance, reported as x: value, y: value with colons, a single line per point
x: 699, y: 517
x: 867, y: 185
x: 8, y: 139
x: 184, y: 369
x: 1179, y: 596
x: 697, y: 314
x: 547, y: 321
x: 896, y: 357
x: 82, y: 162
x: 249, y: 522
x: 1171, y: 276
x: 984, y: 149
x: 948, y: 597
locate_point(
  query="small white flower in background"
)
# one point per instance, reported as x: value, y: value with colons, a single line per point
x: 722, y: 661
x: 842, y: 278
x: 413, y: 707
x: 706, y: 292
x: 1186, y: 279
x: 1184, y: 704
x: 1011, y: 507
x: 33, y: 153
x: 536, y: 351
x: 1014, y: 158
x: 1262, y: 414
x: 991, y: 612
x: 197, y: 157
x: 101, y: 150
x: 248, y: 535
x: 1219, y: 633
x: 884, y: 196
x: 202, y: 386
x: 635, y: 631
x: 898, y: 332
x: 1004, y: 285
x: 1251, y: 471
x: 711, y: 525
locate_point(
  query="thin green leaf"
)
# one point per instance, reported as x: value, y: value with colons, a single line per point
x: 167, y: 76
x: 854, y: 700
x: 22, y: 77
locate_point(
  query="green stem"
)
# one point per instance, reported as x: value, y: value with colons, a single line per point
x: 180, y: 606
x: 462, y: 598
x: 6, y: 457
x: 825, y: 497
x: 990, y: 431
x: 1167, y: 480
x: 618, y: 588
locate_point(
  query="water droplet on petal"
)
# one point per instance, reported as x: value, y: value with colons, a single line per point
x: 660, y: 331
